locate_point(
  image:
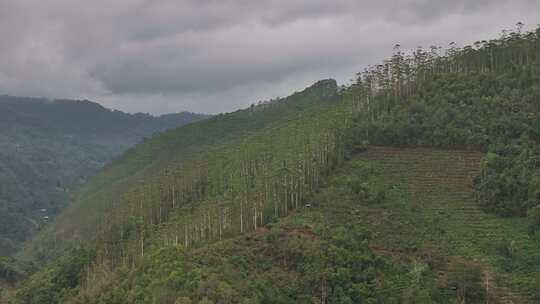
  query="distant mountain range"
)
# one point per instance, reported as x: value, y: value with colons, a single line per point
x: 49, y: 147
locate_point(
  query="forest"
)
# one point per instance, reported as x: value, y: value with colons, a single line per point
x: 283, y: 202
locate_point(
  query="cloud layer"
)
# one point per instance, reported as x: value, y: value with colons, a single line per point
x: 218, y: 55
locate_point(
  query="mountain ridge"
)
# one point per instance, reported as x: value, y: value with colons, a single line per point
x: 50, y: 147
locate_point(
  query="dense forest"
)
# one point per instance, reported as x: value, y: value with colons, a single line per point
x: 49, y: 148
x: 294, y: 201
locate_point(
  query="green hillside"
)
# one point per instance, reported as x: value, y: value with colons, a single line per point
x: 418, y: 183
x: 407, y: 214
x: 432, y: 215
x: 181, y: 156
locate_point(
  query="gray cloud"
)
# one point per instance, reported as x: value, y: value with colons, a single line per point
x: 217, y: 55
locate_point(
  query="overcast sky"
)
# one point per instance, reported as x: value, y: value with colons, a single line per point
x: 161, y: 56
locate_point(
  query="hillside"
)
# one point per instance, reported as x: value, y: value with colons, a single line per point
x: 431, y: 215
x: 177, y: 152
x: 49, y: 148
x: 418, y: 183
x: 408, y: 214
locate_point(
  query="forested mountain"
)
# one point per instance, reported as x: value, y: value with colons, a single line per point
x: 418, y: 183
x: 48, y: 148
x: 180, y: 151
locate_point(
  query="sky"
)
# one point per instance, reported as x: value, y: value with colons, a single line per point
x: 212, y: 56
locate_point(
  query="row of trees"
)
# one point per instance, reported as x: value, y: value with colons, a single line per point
x: 378, y: 88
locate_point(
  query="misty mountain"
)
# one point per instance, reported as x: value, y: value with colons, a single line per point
x: 49, y: 147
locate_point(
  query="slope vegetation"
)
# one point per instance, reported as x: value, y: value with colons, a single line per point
x: 407, y: 214
x: 431, y: 214
x: 178, y: 159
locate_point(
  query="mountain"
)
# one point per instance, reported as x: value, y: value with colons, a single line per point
x: 176, y: 151
x: 417, y: 183
x: 50, y: 147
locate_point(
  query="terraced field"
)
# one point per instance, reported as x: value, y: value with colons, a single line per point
x: 431, y: 212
